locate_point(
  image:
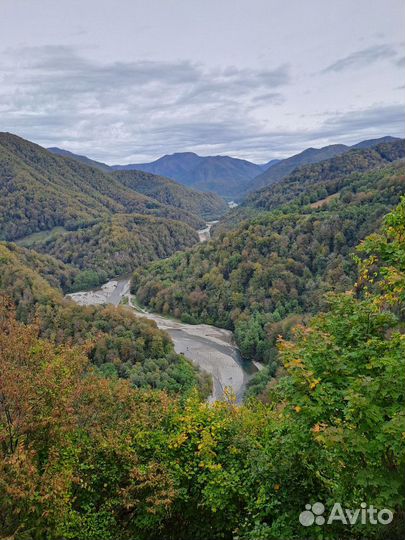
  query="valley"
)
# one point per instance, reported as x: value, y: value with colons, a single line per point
x: 239, y: 347
x: 202, y: 270
x: 211, y: 349
x: 205, y: 234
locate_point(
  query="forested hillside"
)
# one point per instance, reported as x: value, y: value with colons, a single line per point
x: 93, y: 458
x: 316, y: 184
x: 310, y: 156
x: 207, y: 205
x: 40, y: 191
x: 117, y: 245
x: 272, y: 270
x: 90, y: 219
x: 116, y: 341
x: 311, y: 183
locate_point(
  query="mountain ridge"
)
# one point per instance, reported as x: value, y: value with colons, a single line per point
x: 227, y: 176
x: 308, y: 156
x: 40, y: 191
x: 208, y: 205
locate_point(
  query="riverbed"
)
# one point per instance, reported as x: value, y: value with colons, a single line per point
x: 211, y: 348
x: 205, y: 234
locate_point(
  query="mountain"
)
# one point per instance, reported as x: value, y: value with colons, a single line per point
x: 174, y: 166
x: 311, y: 155
x: 326, y: 176
x: 286, y: 166
x: 83, y: 159
x: 224, y: 175
x: 271, y: 269
x: 228, y: 177
x: 84, y: 216
x: 207, y: 205
x: 265, y: 166
x: 164, y: 190
x: 106, y: 432
x: 373, y: 142
x: 40, y: 191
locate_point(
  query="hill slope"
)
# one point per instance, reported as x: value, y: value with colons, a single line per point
x: 222, y: 174
x: 286, y: 166
x: 117, y: 342
x: 272, y: 269
x: 207, y: 205
x: 117, y: 245
x: 311, y: 155
x: 327, y: 175
x: 374, y: 142
x: 83, y: 159
x: 40, y: 191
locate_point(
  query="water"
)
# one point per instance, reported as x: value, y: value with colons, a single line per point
x: 211, y: 348
x: 205, y: 234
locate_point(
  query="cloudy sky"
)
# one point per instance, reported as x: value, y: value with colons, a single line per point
x: 130, y: 80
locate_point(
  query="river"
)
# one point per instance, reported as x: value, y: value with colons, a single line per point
x: 205, y: 234
x: 209, y: 347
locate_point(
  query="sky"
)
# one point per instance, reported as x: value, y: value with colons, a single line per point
x: 126, y: 81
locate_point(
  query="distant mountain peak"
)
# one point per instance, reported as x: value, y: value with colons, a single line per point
x: 309, y: 156
x: 223, y: 175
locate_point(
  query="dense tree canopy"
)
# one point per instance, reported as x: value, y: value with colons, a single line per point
x: 119, y: 343
x: 207, y: 205
x: 326, y: 177
x: 87, y: 458
x: 117, y: 245
x: 40, y: 191
x: 261, y: 277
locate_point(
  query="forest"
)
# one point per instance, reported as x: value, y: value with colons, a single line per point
x: 90, y: 219
x: 117, y: 245
x: 202, y: 270
x: 84, y: 456
x: 262, y: 277
x: 40, y: 191
x: 107, y: 433
x: 207, y: 205
x: 117, y: 342
x: 310, y: 183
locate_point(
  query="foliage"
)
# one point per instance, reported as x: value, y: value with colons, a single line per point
x: 322, y: 165
x: 132, y: 346
x: 116, y: 246
x: 71, y: 446
x: 86, y: 457
x: 207, y: 205
x: 40, y: 191
x: 262, y: 276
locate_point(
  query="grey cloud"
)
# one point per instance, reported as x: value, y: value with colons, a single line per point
x: 362, y: 58
x: 401, y: 62
x: 47, y: 62
x: 380, y: 119
x: 235, y: 137
x: 271, y: 97
x: 57, y: 95
x: 136, y: 111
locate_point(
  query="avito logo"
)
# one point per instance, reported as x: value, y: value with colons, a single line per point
x: 313, y: 514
